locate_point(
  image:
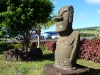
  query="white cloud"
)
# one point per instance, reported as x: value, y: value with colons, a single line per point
x: 93, y: 1
x: 98, y: 11
x: 82, y: 16
x: 55, y: 2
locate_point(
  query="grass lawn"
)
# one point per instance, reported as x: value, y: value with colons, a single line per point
x: 36, y: 67
x: 91, y: 32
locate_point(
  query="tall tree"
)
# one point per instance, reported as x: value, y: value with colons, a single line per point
x: 3, y: 8
x: 22, y: 15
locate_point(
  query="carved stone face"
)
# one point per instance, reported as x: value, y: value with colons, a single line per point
x: 64, y: 19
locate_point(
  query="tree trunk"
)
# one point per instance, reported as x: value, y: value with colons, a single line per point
x: 27, y: 41
x: 38, y: 46
x: 38, y: 32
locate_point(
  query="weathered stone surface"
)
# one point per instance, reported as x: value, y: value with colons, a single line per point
x: 20, y: 55
x: 64, y: 18
x: 49, y: 69
x: 11, y: 55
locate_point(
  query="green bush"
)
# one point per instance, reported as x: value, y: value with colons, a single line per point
x: 6, y: 46
x: 3, y: 46
x: 17, y: 46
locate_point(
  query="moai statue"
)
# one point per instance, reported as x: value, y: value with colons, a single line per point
x: 67, y: 44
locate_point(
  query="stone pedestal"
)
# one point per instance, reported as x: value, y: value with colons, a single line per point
x: 49, y: 69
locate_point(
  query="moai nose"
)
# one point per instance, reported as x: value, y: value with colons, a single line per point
x: 59, y: 18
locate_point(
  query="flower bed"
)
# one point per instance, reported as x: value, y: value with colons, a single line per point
x: 90, y: 50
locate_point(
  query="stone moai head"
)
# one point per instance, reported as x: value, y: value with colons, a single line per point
x: 64, y: 19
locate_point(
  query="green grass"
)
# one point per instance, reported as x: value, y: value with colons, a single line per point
x: 94, y: 67
x: 36, y: 67
x: 25, y: 67
x: 96, y: 33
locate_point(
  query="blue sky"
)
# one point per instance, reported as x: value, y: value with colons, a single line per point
x: 86, y: 12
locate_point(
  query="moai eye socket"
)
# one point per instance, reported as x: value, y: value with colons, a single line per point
x: 65, y: 9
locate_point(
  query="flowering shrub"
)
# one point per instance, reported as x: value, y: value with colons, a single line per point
x: 90, y: 50
x: 50, y: 45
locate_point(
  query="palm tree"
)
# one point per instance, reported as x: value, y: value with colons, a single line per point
x: 50, y: 22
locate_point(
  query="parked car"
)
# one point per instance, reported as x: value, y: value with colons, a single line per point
x: 45, y: 36
x: 34, y: 37
x: 55, y: 36
x: 49, y: 35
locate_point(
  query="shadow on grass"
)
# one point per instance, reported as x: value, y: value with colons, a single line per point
x: 94, y: 71
x: 48, y: 57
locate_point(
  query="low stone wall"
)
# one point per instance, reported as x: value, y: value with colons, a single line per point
x: 20, y: 55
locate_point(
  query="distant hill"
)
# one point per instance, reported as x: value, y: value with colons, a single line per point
x: 87, y: 28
